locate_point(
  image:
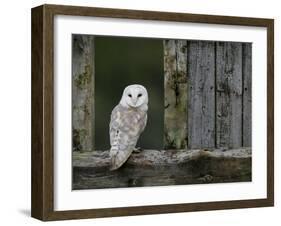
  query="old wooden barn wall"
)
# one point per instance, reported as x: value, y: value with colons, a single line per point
x: 207, y: 94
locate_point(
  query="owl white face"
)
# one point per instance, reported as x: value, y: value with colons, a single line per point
x: 134, y: 96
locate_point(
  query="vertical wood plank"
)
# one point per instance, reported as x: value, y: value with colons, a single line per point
x: 82, y: 93
x: 201, y: 82
x: 247, y: 94
x: 175, y: 94
x: 229, y: 94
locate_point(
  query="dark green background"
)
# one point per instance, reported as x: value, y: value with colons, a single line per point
x: 121, y: 61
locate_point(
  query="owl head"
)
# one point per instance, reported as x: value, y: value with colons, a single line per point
x: 134, y: 96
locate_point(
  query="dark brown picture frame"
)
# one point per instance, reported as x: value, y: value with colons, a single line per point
x: 42, y: 203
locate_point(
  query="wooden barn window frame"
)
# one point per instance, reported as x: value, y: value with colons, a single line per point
x: 42, y: 203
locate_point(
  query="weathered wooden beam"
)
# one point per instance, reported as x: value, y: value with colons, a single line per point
x: 201, y: 98
x: 82, y: 92
x: 175, y: 94
x: 229, y: 94
x: 98, y: 159
x: 162, y: 167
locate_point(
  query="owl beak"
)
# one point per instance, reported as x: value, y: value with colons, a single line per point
x: 135, y: 101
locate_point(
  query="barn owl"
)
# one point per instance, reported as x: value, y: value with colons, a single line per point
x: 128, y: 120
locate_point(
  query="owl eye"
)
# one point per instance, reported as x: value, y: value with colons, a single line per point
x: 129, y: 95
x: 139, y: 95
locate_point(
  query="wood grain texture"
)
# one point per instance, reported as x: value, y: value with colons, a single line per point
x: 201, y: 100
x: 229, y: 94
x: 218, y: 94
x: 42, y: 122
x: 175, y: 94
x: 247, y: 95
x: 101, y: 159
x: 83, y: 114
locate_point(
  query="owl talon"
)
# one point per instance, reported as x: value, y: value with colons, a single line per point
x: 137, y: 150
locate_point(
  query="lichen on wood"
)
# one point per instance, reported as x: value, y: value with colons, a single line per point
x: 207, y: 94
x: 82, y: 93
x: 175, y: 94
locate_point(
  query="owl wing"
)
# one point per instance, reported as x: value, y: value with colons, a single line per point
x: 125, y: 129
x: 143, y: 124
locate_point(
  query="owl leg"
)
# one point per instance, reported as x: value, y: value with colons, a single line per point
x: 137, y: 150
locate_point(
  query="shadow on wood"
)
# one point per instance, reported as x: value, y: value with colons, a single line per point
x: 164, y: 167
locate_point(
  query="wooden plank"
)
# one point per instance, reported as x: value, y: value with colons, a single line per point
x: 201, y: 82
x: 82, y: 93
x: 175, y: 94
x: 99, y: 159
x: 161, y: 167
x: 247, y: 94
x: 229, y: 94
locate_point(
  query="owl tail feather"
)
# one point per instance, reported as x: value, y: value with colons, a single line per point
x: 117, y: 159
x: 113, y: 156
x: 118, y: 155
x: 114, y: 152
